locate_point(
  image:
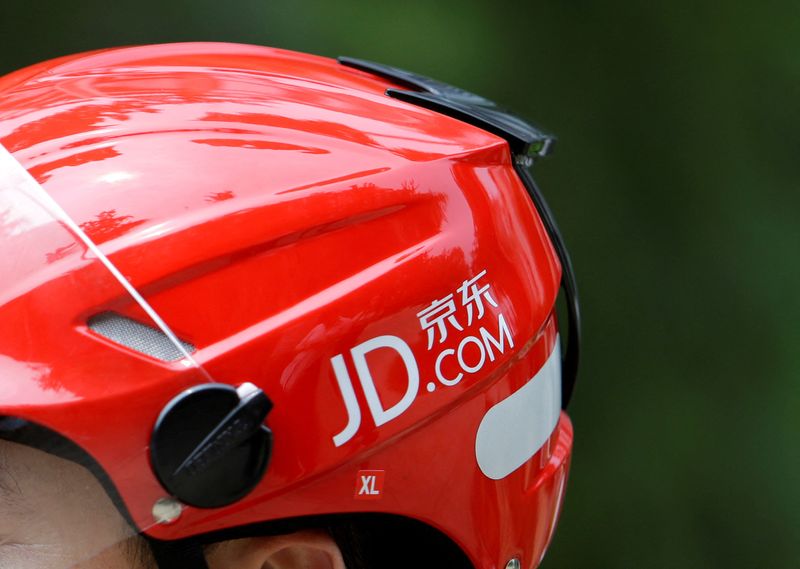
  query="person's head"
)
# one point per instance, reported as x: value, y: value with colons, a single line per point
x: 54, y: 514
x: 260, y: 309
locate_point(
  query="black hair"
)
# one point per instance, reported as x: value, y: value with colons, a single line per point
x: 138, y: 553
x: 372, y: 541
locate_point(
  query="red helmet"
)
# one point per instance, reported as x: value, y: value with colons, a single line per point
x: 251, y: 289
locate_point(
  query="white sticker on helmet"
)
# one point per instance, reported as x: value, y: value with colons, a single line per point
x: 514, y: 429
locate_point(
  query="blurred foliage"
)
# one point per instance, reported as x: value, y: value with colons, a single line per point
x: 675, y: 184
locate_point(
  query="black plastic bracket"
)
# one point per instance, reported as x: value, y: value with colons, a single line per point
x: 569, y: 285
x: 523, y: 137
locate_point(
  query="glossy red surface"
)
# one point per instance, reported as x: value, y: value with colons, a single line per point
x: 276, y: 209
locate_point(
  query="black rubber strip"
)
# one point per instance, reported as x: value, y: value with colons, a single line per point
x: 572, y: 351
x: 178, y: 554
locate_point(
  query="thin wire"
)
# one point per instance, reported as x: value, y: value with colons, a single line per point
x: 29, y: 184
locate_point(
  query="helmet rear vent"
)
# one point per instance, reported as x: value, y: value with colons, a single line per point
x: 137, y: 336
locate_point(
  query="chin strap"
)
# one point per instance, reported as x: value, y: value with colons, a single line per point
x: 179, y: 554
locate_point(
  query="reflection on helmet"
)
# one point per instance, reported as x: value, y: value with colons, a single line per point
x: 245, y: 291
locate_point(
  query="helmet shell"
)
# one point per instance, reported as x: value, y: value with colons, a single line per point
x: 278, y: 210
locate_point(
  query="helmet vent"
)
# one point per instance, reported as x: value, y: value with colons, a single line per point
x: 137, y: 336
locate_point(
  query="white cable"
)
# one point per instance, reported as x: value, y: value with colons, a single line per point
x: 10, y: 168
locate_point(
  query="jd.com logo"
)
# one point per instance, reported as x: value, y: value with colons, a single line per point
x: 436, y: 319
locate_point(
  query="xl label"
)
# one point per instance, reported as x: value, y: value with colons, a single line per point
x: 369, y: 484
x: 442, y: 320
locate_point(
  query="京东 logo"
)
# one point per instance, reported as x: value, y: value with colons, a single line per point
x: 441, y: 320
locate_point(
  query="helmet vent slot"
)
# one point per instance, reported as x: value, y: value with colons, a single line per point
x: 137, y: 336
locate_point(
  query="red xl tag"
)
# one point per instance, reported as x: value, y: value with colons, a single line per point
x: 369, y: 484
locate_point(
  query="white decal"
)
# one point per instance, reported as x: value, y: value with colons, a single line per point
x: 350, y: 401
x: 471, y: 296
x: 503, y: 332
x: 380, y: 414
x: 452, y: 364
x: 464, y: 343
x: 435, y: 315
x: 442, y: 378
x: 514, y: 429
x: 368, y: 486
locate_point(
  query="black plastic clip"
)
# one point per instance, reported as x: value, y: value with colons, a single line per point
x: 210, y: 446
x: 523, y: 138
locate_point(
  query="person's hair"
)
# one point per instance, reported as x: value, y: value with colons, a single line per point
x: 137, y: 552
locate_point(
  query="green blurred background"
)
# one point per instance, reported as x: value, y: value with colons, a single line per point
x: 676, y: 186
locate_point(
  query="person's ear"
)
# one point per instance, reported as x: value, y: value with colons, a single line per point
x: 310, y: 549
